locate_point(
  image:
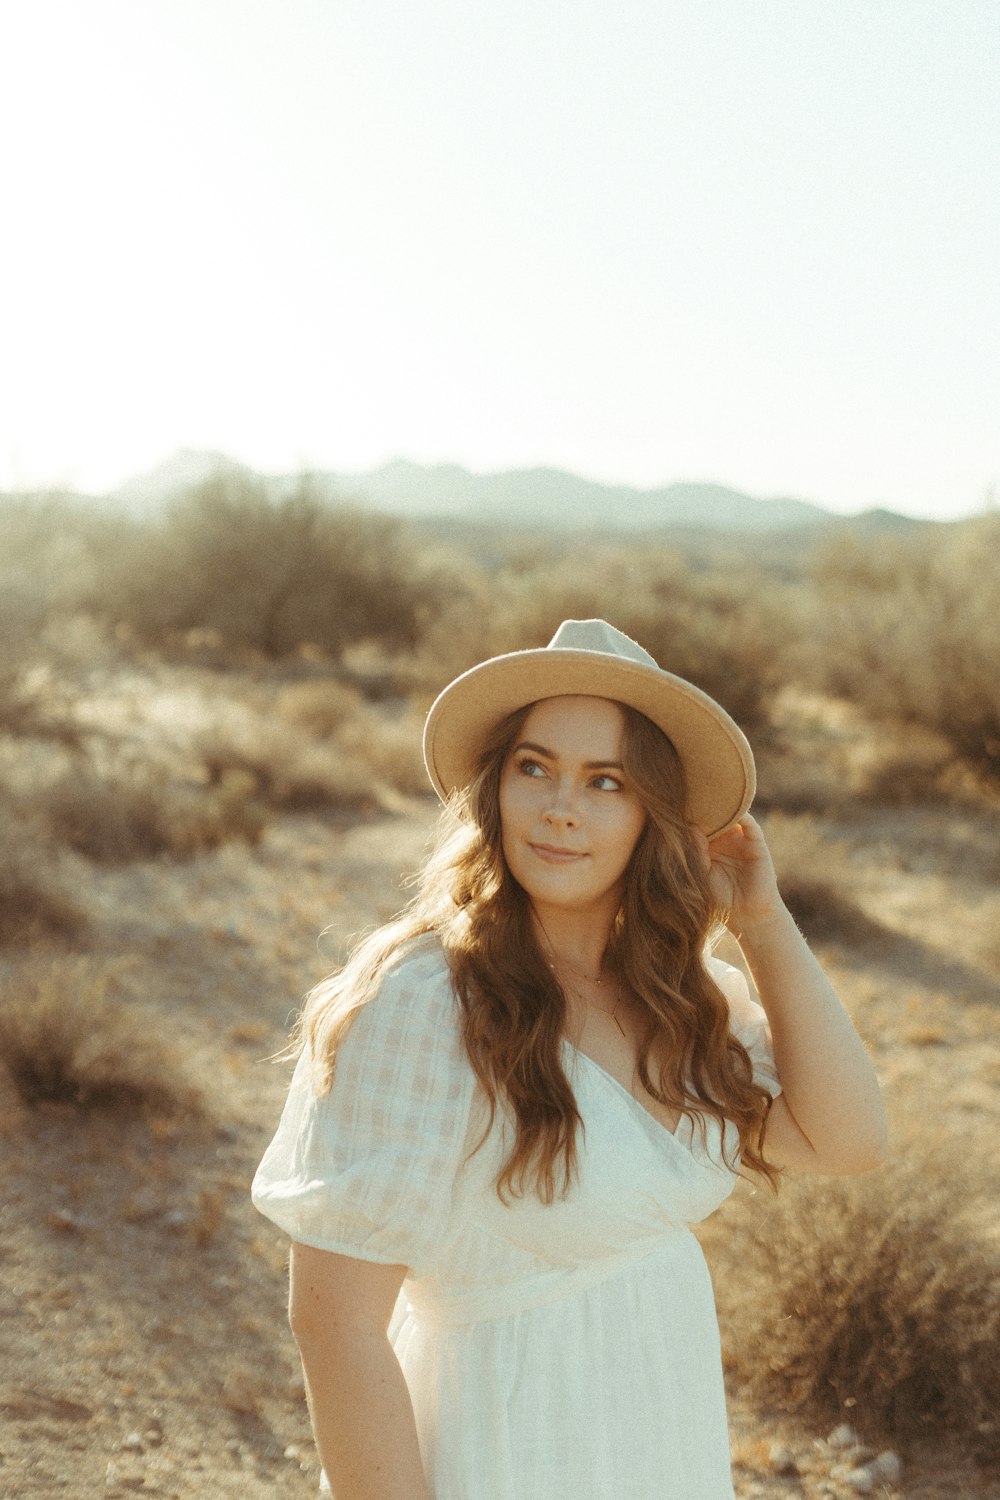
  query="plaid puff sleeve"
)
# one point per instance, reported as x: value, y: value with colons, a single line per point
x: 748, y: 1023
x: 368, y: 1169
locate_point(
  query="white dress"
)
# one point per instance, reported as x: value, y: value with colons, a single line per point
x: 560, y: 1352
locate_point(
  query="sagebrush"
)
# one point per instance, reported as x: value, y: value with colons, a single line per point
x: 66, y: 1038
x: 910, y: 631
x: 878, y: 1295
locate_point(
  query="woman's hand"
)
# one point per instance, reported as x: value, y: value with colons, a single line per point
x: 741, y: 875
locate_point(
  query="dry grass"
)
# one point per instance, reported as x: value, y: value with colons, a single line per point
x: 880, y: 1294
x: 391, y: 746
x: 115, y: 819
x: 284, y: 768
x: 911, y: 631
x: 386, y: 738
x: 65, y: 1039
x: 321, y: 706
x: 34, y: 903
x: 320, y: 746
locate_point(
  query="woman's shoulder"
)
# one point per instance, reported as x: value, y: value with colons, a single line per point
x: 416, y: 982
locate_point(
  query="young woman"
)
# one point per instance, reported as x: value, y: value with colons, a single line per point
x: 512, y: 1104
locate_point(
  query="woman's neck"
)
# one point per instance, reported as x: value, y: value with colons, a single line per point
x: 572, y: 941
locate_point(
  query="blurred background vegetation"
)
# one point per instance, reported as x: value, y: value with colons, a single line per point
x: 901, y: 623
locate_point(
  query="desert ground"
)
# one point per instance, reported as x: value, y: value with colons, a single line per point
x: 149, y: 978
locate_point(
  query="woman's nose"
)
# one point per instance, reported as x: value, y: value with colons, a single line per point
x: 562, y: 805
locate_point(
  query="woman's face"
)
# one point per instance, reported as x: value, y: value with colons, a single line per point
x: 569, y: 820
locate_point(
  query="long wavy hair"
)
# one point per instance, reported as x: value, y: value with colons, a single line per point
x: 512, y: 1008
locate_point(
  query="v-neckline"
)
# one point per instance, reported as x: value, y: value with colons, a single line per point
x: 626, y: 1095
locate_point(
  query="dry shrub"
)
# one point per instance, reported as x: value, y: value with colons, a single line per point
x: 391, y: 746
x: 321, y: 706
x: 136, y: 815
x: 46, y: 547
x: 264, y: 572
x: 64, y: 1038
x: 319, y: 778
x: 714, y: 629
x: 918, y: 769
x: 880, y: 1293
x: 285, y: 769
x: 911, y: 632
x: 33, y: 901
x: 382, y: 742
x: 323, y: 747
x: 717, y: 632
x: 22, y: 616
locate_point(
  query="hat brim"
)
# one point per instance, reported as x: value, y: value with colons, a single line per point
x: 715, y: 755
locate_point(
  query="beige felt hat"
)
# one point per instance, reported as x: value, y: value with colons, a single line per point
x: 592, y: 658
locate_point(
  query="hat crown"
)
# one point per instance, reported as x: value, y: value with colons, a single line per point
x: 598, y: 635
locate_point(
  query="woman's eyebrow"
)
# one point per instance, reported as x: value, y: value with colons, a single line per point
x: 589, y: 765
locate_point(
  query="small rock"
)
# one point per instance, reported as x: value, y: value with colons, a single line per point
x: 781, y: 1460
x: 133, y: 1442
x: 64, y: 1222
x: 292, y: 1451
x: 862, y: 1481
x: 843, y: 1436
x: 888, y: 1466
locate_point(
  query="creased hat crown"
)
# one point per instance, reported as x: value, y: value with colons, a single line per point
x: 598, y: 635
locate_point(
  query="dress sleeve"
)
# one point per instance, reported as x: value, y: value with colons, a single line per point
x: 368, y: 1168
x: 748, y: 1023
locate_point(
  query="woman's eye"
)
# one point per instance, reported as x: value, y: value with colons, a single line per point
x: 607, y: 783
x: 530, y: 768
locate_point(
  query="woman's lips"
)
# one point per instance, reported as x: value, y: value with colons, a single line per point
x: 556, y: 856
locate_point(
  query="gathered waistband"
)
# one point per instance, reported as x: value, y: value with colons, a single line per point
x: 439, y: 1307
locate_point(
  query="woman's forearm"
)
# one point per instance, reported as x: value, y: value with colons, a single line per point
x: 362, y: 1418
x: 829, y: 1083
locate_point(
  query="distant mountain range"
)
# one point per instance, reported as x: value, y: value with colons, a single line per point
x: 522, y: 498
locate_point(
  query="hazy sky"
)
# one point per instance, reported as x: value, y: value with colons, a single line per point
x: 749, y: 241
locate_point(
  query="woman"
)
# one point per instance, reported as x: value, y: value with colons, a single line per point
x: 514, y: 1101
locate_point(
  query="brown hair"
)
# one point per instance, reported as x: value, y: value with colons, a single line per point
x: 513, y: 1010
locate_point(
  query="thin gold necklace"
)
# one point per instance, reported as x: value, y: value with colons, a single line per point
x: 593, y: 1005
x: 613, y: 1013
x: 597, y: 979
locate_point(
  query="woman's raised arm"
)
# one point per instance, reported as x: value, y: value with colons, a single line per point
x: 830, y: 1116
x: 362, y: 1418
